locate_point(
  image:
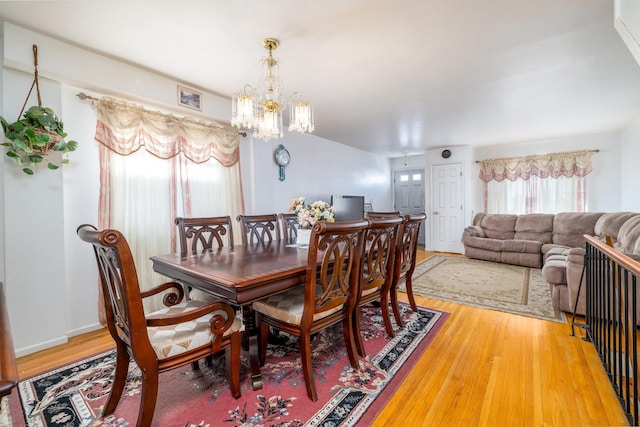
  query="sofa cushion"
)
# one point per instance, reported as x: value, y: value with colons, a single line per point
x: 499, y: 226
x: 629, y: 237
x: 523, y: 246
x: 609, y: 224
x: 554, y: 270
x: 538, y: 227
x: 569, y: 227
x: 484, y: 243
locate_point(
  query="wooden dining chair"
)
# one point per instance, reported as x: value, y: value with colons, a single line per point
x: 384, y: 215
x: 328, y: 297
x: 377, y: 269
x: 259, y: 229
x: 199, y: 234
x: 168, y: 338
x: 288, y: 227
x: 405, y: 261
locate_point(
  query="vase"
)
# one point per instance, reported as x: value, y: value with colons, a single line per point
x: 304, y: 235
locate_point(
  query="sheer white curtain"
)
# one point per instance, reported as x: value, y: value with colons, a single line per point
x: 549, y: 183
x: 154, y: 167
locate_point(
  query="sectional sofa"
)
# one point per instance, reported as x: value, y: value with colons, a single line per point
x: 554, y: 243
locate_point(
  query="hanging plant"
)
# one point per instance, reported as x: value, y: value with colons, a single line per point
x: 32, y: 137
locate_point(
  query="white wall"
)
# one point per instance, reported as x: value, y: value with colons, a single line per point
x: 318, y: 169
x: 50, y: 275
x: 630, y: 181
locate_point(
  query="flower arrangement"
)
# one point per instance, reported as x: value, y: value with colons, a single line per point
x: 309, y: 214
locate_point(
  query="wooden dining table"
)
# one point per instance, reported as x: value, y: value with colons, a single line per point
x: 239, y: 276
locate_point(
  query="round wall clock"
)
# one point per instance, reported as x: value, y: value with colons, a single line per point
x: 283, y: 158
x: 446, y: 154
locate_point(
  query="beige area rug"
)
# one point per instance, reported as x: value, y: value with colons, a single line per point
x: 484, y: 284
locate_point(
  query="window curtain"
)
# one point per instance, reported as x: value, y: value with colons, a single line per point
x: 549, y: 183
x: 156, y: 166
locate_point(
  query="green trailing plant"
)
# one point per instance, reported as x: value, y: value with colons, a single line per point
x: 29, y: 140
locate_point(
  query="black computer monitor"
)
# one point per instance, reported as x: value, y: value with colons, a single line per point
x: 348, y: 208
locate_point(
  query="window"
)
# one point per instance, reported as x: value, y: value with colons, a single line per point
x: 549, y: 183
x: 155, y: 167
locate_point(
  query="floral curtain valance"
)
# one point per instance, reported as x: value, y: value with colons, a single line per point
x: 555, y: 165
x: 124, y: 128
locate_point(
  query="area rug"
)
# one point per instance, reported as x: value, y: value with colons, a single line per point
x: 509, y: 288
x: 74, y: 395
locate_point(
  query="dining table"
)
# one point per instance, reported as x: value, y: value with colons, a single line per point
x: 240, y: 275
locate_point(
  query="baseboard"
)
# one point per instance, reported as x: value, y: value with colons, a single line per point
x: 84, y: 330
x: 42, y: 346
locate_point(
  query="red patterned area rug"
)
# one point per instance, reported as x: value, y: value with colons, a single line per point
x: 74, y: 395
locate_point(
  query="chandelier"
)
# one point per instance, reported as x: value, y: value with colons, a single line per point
x: 261, y: 108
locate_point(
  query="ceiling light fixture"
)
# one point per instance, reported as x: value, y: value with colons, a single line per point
x: 261, y: 109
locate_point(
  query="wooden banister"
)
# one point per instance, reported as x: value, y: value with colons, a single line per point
x: 8, y: 367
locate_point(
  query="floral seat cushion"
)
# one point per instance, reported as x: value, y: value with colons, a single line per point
x: 288, y: 306
x: 172, y: 340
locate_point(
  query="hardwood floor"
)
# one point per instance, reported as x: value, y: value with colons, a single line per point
x: 484, y: 368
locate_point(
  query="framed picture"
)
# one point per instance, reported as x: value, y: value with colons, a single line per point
x: 189, y: 98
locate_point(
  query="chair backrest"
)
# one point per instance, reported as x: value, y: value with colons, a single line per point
x: 288, y: 227
x: 199, y: 234
x: 407, y: 246
x: 381, y: 239
x: 121, y: 291
x: 259, y: 229
x: 384, y: 215
x: 333, y: 267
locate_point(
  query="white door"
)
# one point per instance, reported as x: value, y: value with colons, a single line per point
x: 409, y: 194
x: 447, y: 207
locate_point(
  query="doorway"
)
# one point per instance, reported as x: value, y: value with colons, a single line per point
x: 447, y: 204
x: 409, y: 195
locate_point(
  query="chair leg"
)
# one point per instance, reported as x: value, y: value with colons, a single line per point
x: 148, y: 396
x: 307, y: 367
x: 349, y: 342
x: 358, y: 333
x: 395, y: 307
x: 386, y: 317
x: 409, y: 286
x: 119, y: 380
x: 195, y: 365
x: 232, y: 356
x: 263, y: 339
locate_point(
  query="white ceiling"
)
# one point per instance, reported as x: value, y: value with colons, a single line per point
x: 390, y: 77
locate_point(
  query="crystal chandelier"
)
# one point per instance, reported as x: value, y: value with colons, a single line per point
x: 261, y: 109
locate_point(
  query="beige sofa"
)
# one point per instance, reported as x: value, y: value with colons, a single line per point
x: 563, y: 267
x: 554, y: 243
x: 525, y: 239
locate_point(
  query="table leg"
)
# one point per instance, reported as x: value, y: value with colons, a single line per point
x: 250, y: 343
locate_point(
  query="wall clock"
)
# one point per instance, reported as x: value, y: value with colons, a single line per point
x: 446, y: 154
x: 282, y: 159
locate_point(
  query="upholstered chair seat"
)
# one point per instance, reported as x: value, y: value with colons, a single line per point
x: 172, y: 340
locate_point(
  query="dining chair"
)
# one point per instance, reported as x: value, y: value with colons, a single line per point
x: 199, y: 234
x: 377, y: 271
x: 259, y: 229
x: 384, y: 215
x: 288, y: 227
x: 180, y: 333
x: 328, y: 296
x: 405, y: 261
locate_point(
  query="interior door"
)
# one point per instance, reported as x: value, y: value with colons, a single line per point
x: 447, y: 207
x: 409, y: 194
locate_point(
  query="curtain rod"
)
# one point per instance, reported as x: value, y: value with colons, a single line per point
x: 83, y: 96
x: 597, y: 150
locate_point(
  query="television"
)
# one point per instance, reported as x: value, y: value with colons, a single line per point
x: 348, y: 208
